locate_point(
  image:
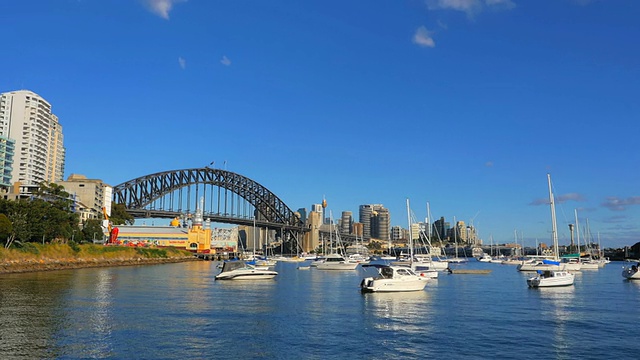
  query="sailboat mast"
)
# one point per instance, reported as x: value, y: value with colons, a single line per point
x: 577, y: 232
x: 410, y: 233
x: 554, y: 227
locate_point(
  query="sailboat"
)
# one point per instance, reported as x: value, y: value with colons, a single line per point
x: 395, y: 278
x: 557, y: 276
x: 336, y: 260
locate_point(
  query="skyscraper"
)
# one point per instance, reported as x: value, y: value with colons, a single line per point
x: 26, y: 118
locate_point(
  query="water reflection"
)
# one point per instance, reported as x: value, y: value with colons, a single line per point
x: 403, y: 311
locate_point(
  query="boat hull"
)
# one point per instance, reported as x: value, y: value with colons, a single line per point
x: 247, y: 275
x: 558, y: 278
x: 392, y: 285
x: 631, y: 271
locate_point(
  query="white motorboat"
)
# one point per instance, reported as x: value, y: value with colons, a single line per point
x: 485, y: 258
x: 550, y: 278
x: 630, y: 270
x: 393, y: 279
x: 336, y: 262
x: 239, y: 270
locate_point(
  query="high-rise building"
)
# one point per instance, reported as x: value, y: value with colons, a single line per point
x: 383, y: 225
x: 365, y: 214
x: 7, y: 150
x: 26, y: 118
x: 346, y: 222
x: 376, y: 221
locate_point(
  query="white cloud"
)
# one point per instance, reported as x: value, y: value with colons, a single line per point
x: 161, y: 7
x: 182, y: 62
x: 225, y: 61
x: 423, y: 37
x: 470, y: 7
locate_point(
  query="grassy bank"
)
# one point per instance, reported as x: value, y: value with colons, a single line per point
x: 38, y: 257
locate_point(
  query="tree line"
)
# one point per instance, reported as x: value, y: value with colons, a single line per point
x: 49, y: 216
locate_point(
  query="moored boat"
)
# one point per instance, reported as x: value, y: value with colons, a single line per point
x: 630, y: 270
x: 550, y: 278
x: 239, y: 270
x: 393, y: 279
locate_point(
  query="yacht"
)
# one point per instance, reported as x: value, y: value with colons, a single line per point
x: 551, y: 278
x: 336, y: 262
x: 393, y: 279
x: 239, y: 270
x: 630, y: 270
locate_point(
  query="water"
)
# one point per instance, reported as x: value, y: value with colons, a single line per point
x: 178, y: 311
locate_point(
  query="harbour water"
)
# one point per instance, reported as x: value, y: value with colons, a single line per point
x: 178, y: 311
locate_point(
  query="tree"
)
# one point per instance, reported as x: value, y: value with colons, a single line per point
x: 56, y: 195
x: 119, y: 215
x: 6, y: 229
x: 92, y: 227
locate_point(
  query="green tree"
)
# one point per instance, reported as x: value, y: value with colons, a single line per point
x: 6, y: 229
x: 119, y: 215
x: 91, y: 230
x: 54, y: 194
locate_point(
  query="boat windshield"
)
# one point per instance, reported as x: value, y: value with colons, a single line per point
x: 386, y: 272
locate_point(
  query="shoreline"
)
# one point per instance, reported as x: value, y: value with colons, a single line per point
x: 33, y: 265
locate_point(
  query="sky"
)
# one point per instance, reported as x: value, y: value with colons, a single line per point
x: 465, y: 105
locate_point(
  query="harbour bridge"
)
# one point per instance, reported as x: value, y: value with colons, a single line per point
x: 222, y: 196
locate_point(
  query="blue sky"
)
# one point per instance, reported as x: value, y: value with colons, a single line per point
x: 465, y: 104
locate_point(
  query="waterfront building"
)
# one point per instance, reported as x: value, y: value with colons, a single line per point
x: 26, y: 118
x: 396, y: 233
x: 365, y: 214
x: 93, y: 193
x: 7, y: 151
x: 441, y: 229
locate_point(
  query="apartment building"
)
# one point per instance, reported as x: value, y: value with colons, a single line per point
x: 39, y: 153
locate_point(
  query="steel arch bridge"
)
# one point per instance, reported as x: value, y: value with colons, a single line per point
x: 223, y: 196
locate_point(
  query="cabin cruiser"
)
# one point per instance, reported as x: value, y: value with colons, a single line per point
x: 550, y: 278
x: 630, y: 270
x: 336, y: 262
x: 393, y: 279
x: 239, y: 270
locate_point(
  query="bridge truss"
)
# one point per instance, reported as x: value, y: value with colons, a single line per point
x: 223, y: 196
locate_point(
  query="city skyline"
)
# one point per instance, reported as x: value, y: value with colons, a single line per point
x: 465, y: 105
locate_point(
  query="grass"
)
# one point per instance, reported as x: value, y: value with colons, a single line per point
x: 35, y: 251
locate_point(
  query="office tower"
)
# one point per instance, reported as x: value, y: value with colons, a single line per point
x: 382, y: 223
x: 376, y: 221
x: 346, y: 222
x: 26, y: 118
x: 365, y: 214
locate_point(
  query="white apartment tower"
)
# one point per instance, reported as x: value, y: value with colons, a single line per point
x: 39, y: 144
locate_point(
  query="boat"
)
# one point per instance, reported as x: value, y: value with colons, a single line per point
x: 551, y: 278
x: 485, y: 258
x: 557, y: 276
x: 336, y: 262
x: 395, y: 278
x: 630, y: 269
x: 239, y: 270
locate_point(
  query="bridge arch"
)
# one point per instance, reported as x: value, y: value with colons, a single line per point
x: 162, y: 195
